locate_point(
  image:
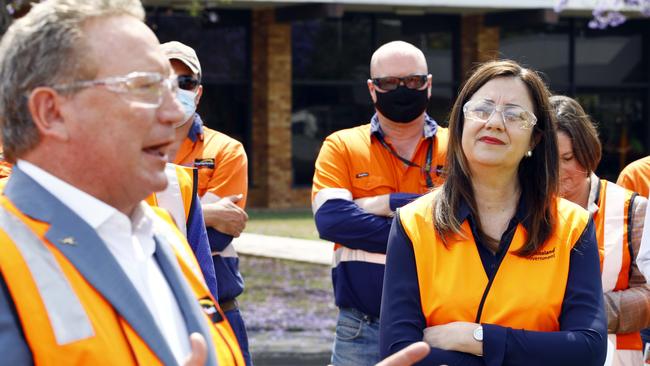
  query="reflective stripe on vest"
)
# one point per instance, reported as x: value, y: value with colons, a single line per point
x: 443, y: 270
x: 612, y: 222
x: 345, y: 254
x: 226, y: 344
x: 172, y: 198
x: 614, y: 226
x: 67, y: 316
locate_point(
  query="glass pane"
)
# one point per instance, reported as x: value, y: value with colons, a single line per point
x: 222, y: 49
x: 436, y: 46
x: 319, y: 110
x: 226, y: 108
x: 609, y: 60
x: 620, y: 121
x: 540, y: 50
x: 336, y: 49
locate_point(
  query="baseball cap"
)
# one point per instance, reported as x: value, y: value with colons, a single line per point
x: 185, y: 54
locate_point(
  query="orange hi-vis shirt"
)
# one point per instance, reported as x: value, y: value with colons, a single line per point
x: 454, y: 286
x: 221, y: 162
x: 636, y: 177
x: 66, y: 320
x: 354, y: 163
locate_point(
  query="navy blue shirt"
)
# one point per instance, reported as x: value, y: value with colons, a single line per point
x: 582, y: 337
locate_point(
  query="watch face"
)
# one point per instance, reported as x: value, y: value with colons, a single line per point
x: 478, y: 333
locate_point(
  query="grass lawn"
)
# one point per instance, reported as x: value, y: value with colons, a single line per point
x: 290, y: 223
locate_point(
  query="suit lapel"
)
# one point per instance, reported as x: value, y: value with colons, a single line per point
x: 81, y: 245
x: 192, y: 312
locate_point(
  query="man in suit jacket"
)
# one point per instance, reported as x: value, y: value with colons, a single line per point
x: 90, y: 273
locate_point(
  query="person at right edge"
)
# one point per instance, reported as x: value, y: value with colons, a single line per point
x: 494, y: 268
x: 222, y: 168
x: 362, y: 175
x: 618, y: 217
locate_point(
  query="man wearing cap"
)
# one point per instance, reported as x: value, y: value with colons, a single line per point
x: 223, y: 182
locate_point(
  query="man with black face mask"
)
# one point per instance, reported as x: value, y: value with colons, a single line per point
x: 363, y: 175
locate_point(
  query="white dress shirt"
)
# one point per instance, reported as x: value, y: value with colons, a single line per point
x: 131, y: 241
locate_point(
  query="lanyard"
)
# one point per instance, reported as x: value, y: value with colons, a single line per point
x: 427, y: 165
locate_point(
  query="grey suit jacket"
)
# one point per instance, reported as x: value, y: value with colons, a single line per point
x: 94, y: 261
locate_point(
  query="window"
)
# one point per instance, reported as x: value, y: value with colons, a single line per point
x: 330, y: 93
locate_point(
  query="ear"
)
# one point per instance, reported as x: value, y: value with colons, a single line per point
x: 371, y: 89
x: 45, y: 108
x: 199, y: 93
x: 429, y: 83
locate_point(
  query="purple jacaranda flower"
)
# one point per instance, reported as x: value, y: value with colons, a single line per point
x: 560, y: 5
x: 607, y: 13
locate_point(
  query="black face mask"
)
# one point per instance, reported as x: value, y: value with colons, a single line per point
x: 402, y: 105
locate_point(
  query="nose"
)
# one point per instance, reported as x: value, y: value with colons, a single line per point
x: 496, y: 120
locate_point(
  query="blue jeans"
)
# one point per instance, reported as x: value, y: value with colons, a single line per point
x: 239, y: 328
x: 357, y: 339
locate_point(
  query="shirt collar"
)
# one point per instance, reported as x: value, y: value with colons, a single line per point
x: 89, y: 208
x: 463, y: 212
x: 430, y: 126
x: 196, y: 131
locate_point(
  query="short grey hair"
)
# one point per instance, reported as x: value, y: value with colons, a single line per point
x: 46, y: 47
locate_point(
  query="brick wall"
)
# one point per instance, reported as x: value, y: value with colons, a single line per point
x: 479, y: 43
x: 271, y: 123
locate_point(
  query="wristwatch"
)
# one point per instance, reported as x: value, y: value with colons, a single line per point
x: 478, y: 334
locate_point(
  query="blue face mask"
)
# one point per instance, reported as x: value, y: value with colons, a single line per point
x: 186, y: 98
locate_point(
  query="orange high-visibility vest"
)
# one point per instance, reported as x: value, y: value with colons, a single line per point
x: 177, y: 197
x: 612, y: 221
x: 452, y: 279
x: 67, y: 321
x: 226, y: 344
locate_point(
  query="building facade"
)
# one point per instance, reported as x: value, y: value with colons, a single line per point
x: 281, y: 76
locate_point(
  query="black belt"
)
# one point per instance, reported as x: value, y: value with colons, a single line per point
x: 228, y: 305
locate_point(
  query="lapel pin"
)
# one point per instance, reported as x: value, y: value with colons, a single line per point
x: 68, y: 241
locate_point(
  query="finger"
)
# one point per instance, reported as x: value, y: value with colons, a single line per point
x: 408, y: 356
x: 199, y: 351
x: 235, y: 197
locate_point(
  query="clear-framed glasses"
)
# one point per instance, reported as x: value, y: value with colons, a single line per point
x: 146, y: 88
x: 513, y: 115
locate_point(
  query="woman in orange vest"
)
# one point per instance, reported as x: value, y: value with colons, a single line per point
x: 493, y: 268
x: 618, y: 216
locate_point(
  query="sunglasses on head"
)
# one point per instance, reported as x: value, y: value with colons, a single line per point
x: 392, y: 82
x: 187, y: 82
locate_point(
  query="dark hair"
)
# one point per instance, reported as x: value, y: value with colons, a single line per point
x: 571, y: 119
x: 538, y: 174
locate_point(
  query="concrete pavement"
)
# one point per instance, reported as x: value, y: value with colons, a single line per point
x: 311, y: 251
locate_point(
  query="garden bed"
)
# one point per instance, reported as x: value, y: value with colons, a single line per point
x: 289, y: 311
